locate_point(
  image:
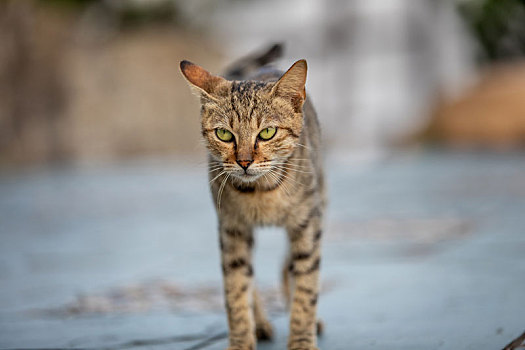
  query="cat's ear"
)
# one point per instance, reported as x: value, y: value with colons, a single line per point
x: 201, y: 78
x: 291, y: 84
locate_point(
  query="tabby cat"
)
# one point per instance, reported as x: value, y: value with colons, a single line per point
x: 265, y: 169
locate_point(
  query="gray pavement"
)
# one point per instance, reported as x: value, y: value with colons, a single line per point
x: 422, y: 250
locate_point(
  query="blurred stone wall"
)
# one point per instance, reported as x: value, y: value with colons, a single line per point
x: 32, y: 86
x: 77, y: 85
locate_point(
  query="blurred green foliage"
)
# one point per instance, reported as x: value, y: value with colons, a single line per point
x: 129, y: 14
x: 499, y: 27
x: 164, y: 12
x: 68, y: 4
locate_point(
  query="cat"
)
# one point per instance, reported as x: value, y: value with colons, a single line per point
x: 263, y: 139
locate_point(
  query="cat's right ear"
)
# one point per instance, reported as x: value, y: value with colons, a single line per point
x: 201, y: 78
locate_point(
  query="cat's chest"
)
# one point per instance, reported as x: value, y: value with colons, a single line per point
x: 262, y: 208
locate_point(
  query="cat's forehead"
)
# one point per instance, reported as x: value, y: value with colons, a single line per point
x: 247, y: 98
x: 246, y: 92
x: 244, y: 105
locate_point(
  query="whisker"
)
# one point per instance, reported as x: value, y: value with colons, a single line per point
x: 279, y: 181
x: 299, y: 159
x: 221, y: 189
x: 216, y: 177
x: 300, y: 162
x: 292, y: 166
x: 284, y: 185
x: 266, y: 178
x: 289, y: 162
x: 215, y: 167
x: 297, y: 182
x: 214, y: 162
x: 301, y: 145
x: 283, y: 167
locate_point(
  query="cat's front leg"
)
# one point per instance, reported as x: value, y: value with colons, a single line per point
x: 236, y: 251
x: 304, y: 234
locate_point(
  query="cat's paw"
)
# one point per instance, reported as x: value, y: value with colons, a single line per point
x: 264, y: 331
x: 301, y: 345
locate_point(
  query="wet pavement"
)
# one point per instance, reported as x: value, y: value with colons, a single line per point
x: 422, y: 250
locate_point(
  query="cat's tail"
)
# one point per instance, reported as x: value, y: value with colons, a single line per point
x: 248, y: 65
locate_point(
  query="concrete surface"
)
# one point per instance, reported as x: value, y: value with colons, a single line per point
x: 422, y: 251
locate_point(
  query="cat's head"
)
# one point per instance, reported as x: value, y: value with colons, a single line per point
x: 250, y: 127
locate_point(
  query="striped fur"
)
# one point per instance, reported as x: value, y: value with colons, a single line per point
x: 283, y: 186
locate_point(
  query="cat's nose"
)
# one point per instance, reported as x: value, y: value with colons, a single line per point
x: 244, y: 163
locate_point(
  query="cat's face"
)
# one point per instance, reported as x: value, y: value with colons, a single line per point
x: 250, y: 128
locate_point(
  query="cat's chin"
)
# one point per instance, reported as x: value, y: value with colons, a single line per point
x: 248, y: 178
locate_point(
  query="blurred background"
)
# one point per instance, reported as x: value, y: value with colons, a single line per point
x: 88, y: 80
x: 104, y: 206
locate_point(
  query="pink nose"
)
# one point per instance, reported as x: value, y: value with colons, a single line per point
x: 244, y: 163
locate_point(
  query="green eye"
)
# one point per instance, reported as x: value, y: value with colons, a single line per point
x: 267, y: 133
x: 224, y: 135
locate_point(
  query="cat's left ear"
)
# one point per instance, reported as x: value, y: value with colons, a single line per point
x: 201, y: 78
x: 291, y: 85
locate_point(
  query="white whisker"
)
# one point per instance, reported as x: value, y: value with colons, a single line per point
x: 291, y: 161
x: 284, y: 186
x: 284, y: 167
x: 293, y: 165
x: 216, y: 177
x: 306, y: 147
x: 221, y: 189
x: 266, y: 178
x: 287, y: 176
x: 276, y: 179
x: 215, y: 167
